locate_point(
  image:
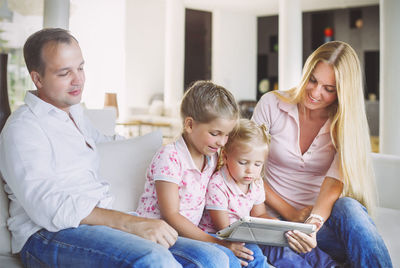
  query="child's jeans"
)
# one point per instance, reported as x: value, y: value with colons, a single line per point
x: 259, y: 261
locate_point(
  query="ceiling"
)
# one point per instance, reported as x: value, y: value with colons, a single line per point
x: 256, y: 7
x: 270, y: 7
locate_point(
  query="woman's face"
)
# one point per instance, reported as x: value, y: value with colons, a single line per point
x: 321, y: 90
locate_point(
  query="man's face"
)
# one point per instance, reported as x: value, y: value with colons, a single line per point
x: 63, y: 79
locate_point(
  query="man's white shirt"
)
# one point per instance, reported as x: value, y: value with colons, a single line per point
x: 50, y: 166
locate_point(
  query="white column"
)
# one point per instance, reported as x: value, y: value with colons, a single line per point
x: 290, y: 43
x: 174, y: 54
x: 56, y: 14
x: 389, y: 111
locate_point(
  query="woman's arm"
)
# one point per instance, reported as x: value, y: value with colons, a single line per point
x: 331, y: 190
x: 288, y: 212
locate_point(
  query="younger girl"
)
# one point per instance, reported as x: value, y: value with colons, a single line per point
x: 178, y: 175
x: 237, y: 190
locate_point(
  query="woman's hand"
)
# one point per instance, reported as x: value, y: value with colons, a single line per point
x: 239, y: 250
x: 301, y: 242
x: 301, y: 215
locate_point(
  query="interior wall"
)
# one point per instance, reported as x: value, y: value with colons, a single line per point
x: 364, y: 39
x: 145, y: 49
x: 100, y: 30
x: 234, y: 52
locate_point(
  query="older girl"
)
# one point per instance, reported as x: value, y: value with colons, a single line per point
x: 179, y: 173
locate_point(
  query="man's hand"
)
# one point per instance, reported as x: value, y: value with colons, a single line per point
x: 154, y: 230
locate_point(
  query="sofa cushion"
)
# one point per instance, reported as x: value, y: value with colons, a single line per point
x: 124, y: 163
x: 8, y: 261
x: 5, y: 244
x: 387, y: 173
x: 387, y: 221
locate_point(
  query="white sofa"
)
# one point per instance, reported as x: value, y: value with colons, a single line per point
x: 124, y: 163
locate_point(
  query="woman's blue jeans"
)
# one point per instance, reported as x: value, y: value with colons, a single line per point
x: 101, y: 246
x: 350, y: 236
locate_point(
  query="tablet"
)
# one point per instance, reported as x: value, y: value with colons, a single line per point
x: 262, y: 231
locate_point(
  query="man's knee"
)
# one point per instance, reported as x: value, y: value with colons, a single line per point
x: 158, y: 256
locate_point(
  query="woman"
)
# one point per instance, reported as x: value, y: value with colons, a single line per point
x: 319, y: 152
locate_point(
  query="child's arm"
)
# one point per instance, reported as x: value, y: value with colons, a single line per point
x: 260, y: 211
x: 168, y: 201
x: 219, y: 218
x: 273, y: 200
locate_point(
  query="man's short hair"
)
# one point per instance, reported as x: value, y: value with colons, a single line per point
x: 33, y: 47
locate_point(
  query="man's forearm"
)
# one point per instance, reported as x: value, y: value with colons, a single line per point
x: 107, y: 217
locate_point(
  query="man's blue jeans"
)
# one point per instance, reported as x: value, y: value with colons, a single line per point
x: 350, y: 236
x: 101, y: 246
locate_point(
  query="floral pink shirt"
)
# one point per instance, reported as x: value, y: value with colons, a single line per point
x: 173, y: 163
x: 224, y: 194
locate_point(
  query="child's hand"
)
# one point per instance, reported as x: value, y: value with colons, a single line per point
x: 239, y: 250
x: 302, y: 214
x: 301, y: 242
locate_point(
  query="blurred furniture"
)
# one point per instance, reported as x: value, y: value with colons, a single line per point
x: 110, y: 100
x: 246, y: 108
x: 372, y: 110
x: 156, y: 116
x: 140, y: 124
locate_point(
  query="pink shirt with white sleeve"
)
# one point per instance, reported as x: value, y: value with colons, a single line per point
x: 296, y: 177
x: 224, y: 194
x: 173, y: 163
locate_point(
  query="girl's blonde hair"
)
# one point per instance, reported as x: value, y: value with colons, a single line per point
x: 349, y: 129
x: 247, y: 133
x: 205, y: 101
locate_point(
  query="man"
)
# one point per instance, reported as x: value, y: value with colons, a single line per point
x: 60, y: 210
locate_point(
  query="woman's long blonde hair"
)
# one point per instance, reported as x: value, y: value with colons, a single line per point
x: 349, y: 129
